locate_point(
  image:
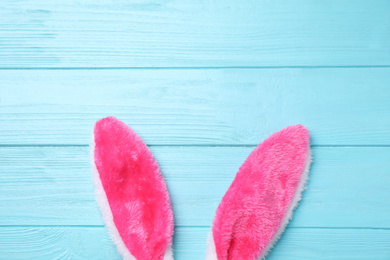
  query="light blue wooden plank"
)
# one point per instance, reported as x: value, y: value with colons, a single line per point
x: 346, y: 244
x: 190, y: 243
x: 228, y: 106
x: 348, y: 187
x: 207, y: 33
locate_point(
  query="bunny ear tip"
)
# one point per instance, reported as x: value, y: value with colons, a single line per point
x: 106, y: 120
x: 293, y: 132
x: 108, y: 124
x: 299, y: 129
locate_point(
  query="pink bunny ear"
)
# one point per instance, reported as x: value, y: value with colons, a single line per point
x: 259, y: 203
x: 131, y: 191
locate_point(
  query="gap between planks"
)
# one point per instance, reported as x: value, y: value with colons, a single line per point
x: 194, y: 145
x: 199, y: 68
x: 183, y: 226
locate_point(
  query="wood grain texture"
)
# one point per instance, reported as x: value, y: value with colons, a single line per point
x: 203, y: 33
x: 201, y: 82
x: 348, y: 187
x: 190, y: 243
x: 192, y: 107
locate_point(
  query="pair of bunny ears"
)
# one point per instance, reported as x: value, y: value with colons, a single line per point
x: 253, y: 213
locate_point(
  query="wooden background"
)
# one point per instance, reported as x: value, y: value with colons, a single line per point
x: 202, y: 82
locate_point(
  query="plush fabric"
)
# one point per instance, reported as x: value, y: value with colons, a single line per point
x: 134, y: 200
x: 259, y: 203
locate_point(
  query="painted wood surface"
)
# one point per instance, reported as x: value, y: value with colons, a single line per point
x: 191, y: 107
x: 189, y: 243
x: 52, y: 185
x: 202, y: 33
x: 202, y: 82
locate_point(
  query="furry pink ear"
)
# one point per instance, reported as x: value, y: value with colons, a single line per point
x: 131, y: 191
x: 259, y: 203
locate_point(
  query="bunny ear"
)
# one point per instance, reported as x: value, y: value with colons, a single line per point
x: 259, y: 203
x: 132, y: 193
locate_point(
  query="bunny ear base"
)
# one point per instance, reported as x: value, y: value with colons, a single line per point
x: 289, y: 214
x: 105, y: 209
x: 259, y: 203
x: 211, y: 253
x: 131, y: 192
